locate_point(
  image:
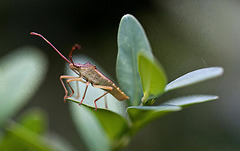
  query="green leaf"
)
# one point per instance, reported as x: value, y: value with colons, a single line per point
x: 100, y: 129
x: 152, y: 76
x: 34, y: 120
x: 21, y: 73
x: 29, y: 134
x: 141, y: 115
x: 89, y: 128
x: 27, y: 137
x: 190, y: 100
x: 131, y: 40
x: 113, y: 123
x: 195, y: 77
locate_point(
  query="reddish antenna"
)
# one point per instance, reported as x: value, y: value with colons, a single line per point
x: 76, y: 46
x: 34, y: 33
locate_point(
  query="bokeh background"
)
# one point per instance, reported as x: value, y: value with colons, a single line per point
x: 185, y: 35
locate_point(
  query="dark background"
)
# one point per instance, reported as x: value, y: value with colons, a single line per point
x: 185, y: 36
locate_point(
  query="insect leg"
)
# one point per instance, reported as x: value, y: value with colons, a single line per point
x: 108, y: 88
x: 71, y: 78
x: 105, y: 99
x: 76, y: 79
x: 78, y: 92
x: 61, y: 79
x: 103, y: 87
x: 87, y: 83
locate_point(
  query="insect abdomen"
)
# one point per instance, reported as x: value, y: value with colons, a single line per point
x: 116, y: 92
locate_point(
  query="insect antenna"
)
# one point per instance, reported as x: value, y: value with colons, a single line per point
x: 76, y: 46
x: 34, y: 33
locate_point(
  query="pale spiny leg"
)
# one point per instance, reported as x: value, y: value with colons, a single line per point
x: 87, y: 83
x: 78, y: 92
x: 76, y: 79
x: 71, y: 78
x: 109, y: 88
x: 105, y: 99
x: 65, y: 89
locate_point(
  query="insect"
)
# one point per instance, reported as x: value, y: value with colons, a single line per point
x: 87, y: 74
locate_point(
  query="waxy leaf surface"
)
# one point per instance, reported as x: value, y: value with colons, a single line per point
x: 107, y: 118
x: 99, y: 128
x: 190, y: 100
x: 195, y: 77
x: 152, y: 76
x: 131, y: 41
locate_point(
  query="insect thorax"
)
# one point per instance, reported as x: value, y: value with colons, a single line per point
x: 90, y: 74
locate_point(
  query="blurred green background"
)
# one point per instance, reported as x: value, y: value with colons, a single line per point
x: 185, y: 36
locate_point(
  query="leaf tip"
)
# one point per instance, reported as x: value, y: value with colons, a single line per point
x: 221, y: 70
x: 127, y: 16
x: 215, y: 98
